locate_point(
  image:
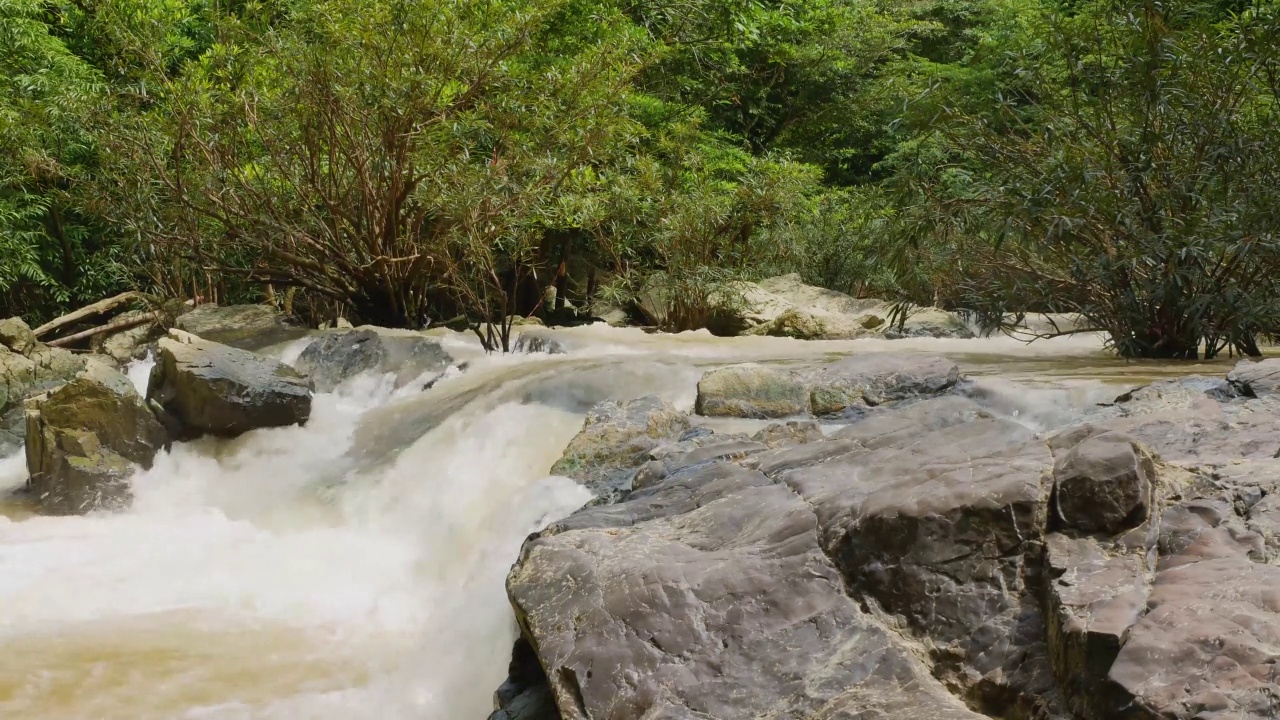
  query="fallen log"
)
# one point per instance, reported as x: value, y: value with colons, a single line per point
x: 87, y: 311
x: 117, y: 325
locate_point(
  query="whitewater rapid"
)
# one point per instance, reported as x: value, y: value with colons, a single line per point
x: 354, y: 568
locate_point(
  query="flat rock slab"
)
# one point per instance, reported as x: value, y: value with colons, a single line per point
x: 212, y: 389
x: 708, y: 596
x: 851, y: 384
x: 1209, y: 643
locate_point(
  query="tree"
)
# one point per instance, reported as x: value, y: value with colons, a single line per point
x: 51, y: 251
x: 1129, y: 174
x: 403, y: 157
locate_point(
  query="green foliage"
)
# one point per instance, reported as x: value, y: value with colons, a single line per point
x: 1132, y: 178
x: 409, y: 162
x: 51, y: 252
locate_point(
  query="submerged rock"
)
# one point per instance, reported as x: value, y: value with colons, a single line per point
x: 212, y: 389
x: 336, y: 357
x: 792, y: 432
x: 85, y: 439
x: 247, y: 327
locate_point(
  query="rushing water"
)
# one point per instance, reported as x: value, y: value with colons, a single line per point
x: 354, y: 568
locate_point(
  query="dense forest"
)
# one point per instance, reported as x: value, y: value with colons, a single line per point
x: 418, y: 162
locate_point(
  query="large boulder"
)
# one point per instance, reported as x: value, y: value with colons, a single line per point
x: 709, y: 596
x: 27, y: 369
x: 205, y: 388
x: 247, y: 327
x: 614, y: 439
x: 1127, y: 567
x: 943, y: 528
x: 85, y: 439
x: 337, y: 356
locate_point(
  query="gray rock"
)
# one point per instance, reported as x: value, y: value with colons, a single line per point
x: 212, y: 389
x: 17, y: 336
x: 38, y: 369
x: 1094, y: 597
x: 752, y: 391
x: 1209, y: 642
x: 792, y: 432
x: 1103, y: 482
x: 129, y: 344
x: 247, y: 327
x: 85, y: 439
x: 1074, y: 576
x: 943, y: 528
x: 1256, y: 378
x: 708, y: 596
x: 878, y: 378
x: 614, y: 439
x: 337, y: 356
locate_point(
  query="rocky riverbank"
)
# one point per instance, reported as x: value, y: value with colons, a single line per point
x: 87, y: 429
x: 927, y: 556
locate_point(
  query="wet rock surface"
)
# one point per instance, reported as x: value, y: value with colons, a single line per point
x: 849, y: 385
x: 84, y: 441
x: 338, y: 356
x: 933, y: 558
x: 27, y: 369
x: 614, y: 441
x: 205, y: 388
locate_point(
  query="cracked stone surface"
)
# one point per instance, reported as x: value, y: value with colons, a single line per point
x: 935, y: 558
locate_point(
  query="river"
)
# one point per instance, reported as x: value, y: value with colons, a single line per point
x: 354, y: 568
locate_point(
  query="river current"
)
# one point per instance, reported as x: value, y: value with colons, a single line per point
x: 354, y: 568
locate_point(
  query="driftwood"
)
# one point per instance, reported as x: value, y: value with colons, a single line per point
x: 88, y: 311
x: 118, y: 325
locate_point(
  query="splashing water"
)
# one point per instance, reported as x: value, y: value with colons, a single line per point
x: 234, y: 589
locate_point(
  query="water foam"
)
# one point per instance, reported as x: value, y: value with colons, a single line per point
x: 234, y: 589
